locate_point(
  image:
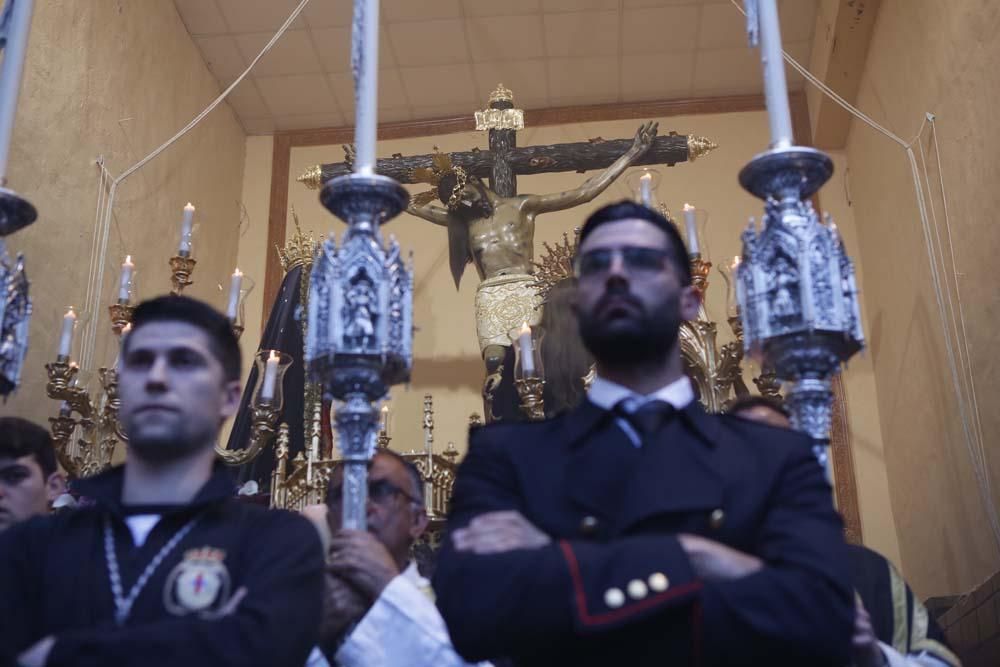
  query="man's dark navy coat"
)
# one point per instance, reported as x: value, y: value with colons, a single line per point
x: 615, y: 587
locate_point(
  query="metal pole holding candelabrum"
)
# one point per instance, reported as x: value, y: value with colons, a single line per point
x: 360, y: 327
x: 796, y: 284
x: 15, y: 211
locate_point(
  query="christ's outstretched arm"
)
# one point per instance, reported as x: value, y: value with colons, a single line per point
x: 596, y: 184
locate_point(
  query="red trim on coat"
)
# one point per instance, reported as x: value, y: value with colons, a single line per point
x: 608, y: 617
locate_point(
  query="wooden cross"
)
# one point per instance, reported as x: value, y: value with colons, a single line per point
x: 504, y: 161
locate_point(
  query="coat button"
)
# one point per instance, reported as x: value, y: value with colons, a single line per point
x: 716, y: 519
x: 658, y: 582
x: 637, y: 589
x: 588, y: 525
x: 614, y: 598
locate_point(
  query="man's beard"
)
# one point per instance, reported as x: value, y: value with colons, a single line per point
x: 640, y: 338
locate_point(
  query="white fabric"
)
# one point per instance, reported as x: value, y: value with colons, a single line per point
x: 607, y: 394
x: 894, y: 658
x: 403, y: 628
x: 141, y: 525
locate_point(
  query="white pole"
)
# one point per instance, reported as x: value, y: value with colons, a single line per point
x: 364, y: 62
x: 775, y: 86
x: 10, y: 74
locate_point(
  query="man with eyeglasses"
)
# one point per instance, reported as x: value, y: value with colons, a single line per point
x: 378, y: 608
x: 637, y: 529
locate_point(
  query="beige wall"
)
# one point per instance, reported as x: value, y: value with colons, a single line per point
x: 116, y: 79
x: 938, y: 57
x: 447, y: 363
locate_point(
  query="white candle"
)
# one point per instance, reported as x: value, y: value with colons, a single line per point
x: 234, y: 294
x: 66, y: 337
x: 10, y: 74
x: 384, y: 427
x: 690, y: 224
x: 270, y: 377
x: 125, y: 283
x: 365, y: 54
x: 646, y: 189
x: 187, y: 225
x: 775, y: 87
x: 527, y: 351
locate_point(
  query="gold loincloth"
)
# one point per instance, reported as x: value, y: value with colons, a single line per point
x: 504, y: 303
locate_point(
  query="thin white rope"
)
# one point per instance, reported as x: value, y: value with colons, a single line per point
x: 98, y: 266
x: 958, y: 291
x: 971, y: 424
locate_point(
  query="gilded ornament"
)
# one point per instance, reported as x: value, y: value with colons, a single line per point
x: 312, y: 177
x: 699, y: 147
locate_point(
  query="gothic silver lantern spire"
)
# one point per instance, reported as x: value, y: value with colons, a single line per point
x: 796, y: 284
x: 15, y: 211
x: 360, y: 327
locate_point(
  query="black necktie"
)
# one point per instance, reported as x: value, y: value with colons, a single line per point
x: 649, y: 418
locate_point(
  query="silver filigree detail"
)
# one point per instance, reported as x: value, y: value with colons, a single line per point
x: 15, y: 316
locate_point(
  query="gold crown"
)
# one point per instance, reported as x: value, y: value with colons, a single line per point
x: 300, y: 249
x: 501, y: 94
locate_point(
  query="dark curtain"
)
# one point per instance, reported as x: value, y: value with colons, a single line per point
x: 283, y: 332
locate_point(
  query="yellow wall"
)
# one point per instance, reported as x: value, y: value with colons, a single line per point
x: 937, y: 57
x: 116, y: 79
x: 447, y: 363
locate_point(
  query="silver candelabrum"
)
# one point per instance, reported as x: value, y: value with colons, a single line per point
x: 16, y: 212
x: 360, y: 322
x: 795, y: 285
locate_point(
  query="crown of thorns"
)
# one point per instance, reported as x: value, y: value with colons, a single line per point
x: 441, y: 166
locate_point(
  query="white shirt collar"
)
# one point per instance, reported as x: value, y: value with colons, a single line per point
x: 606, y: 394
x: 412, y: 574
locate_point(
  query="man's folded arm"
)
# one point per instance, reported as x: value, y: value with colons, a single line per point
x: 277, y: 623
x: 547, y: 594
x: 800, y: 604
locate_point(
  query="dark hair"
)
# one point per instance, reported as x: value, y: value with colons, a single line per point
x: 199, y: 314
x: 630, y: 210
x: 750, y: 402
x: 409, y: 466
x: 19, y: 437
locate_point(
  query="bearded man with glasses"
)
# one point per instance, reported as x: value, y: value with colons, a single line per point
x: 378, y: 609
x: 637, y: 529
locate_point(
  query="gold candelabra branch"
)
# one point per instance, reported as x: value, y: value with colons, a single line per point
x: 181, y: 268
x: 263, y: 420
x: 699, y: 274
x: 101, y: 430
x: 530, y: 390
x: 121, y: 315
x: 768, y: 383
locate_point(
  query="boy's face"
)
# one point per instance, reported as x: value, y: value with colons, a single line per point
x: 24, y: 490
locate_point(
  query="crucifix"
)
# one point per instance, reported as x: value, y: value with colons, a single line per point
x: 493, y: 227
